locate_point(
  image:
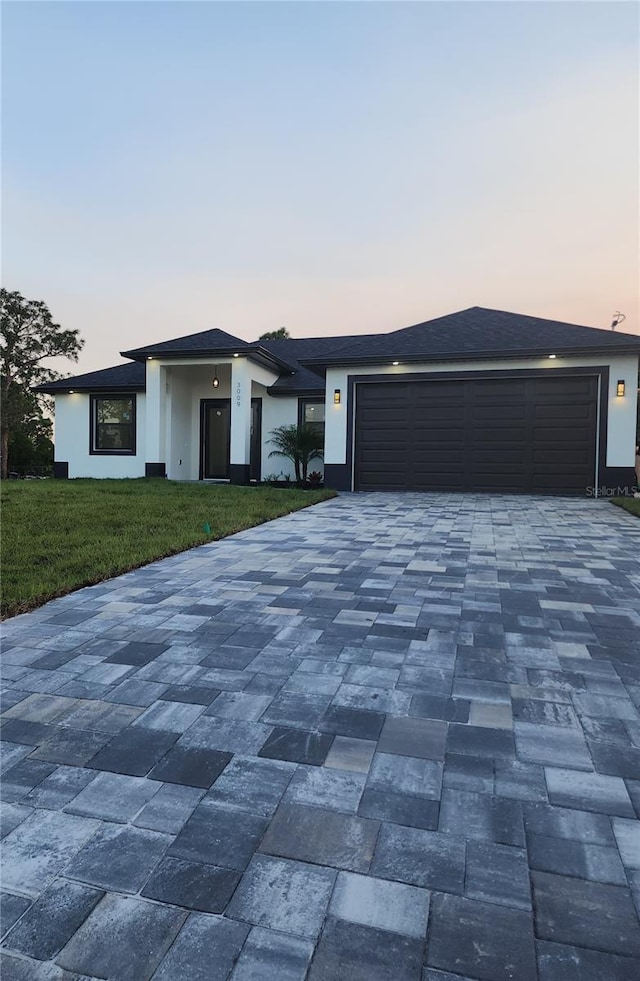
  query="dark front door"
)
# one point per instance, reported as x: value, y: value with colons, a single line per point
x: 216, y: 438
x: 256, y: 438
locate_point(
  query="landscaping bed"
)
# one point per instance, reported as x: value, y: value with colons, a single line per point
x: 60, y: 535
x: 631, y: 504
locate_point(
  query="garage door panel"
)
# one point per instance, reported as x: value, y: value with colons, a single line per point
x: 453, y: 415
x: 485, y: 415
x: 389, y: 415
x: 393, y: 463
x: 398, y: 430
x: 510, y: 435
x: 495, y: 389
x: 493, y: 435
x: 548, y: 484
x: 448, y: 390
x: 500, y: 460
x: 433, y: 441
x: 563, y: 386
x: 560, y: 413
x: 447, y: 460
x: 436, y: 421
x: 555, y: 459
x: 547, y: 440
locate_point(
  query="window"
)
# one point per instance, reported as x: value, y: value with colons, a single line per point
x: 113, y: 424
x: 311, y: 412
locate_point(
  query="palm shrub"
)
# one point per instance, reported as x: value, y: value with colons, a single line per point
x: 300, y: 444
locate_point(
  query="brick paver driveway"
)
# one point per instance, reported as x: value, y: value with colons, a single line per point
x: 391, y: 737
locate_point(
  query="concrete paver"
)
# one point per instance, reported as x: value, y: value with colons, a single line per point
x: 389, y: 737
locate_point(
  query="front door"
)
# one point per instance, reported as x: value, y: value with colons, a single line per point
x: 216, y: 438
x: 256, y: 438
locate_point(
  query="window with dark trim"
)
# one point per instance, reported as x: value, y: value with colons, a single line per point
x: 311, y: 413
x: 113, y: 424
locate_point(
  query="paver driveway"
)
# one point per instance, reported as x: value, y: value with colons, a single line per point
x: 391, y: 737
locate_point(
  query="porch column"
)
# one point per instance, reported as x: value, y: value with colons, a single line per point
x: 240, y: 450
x: 155, y: 439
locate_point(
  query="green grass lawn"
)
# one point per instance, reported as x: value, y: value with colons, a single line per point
x: 60, y: 535
x: 631, y: 504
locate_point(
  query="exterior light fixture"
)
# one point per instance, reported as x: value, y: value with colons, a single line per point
x: 236, y: 355
x: 71, y: 391
x: 149, y: 358
x: 336, y: 396
x: 552, y: 356
x: 395, y: 363
x: 215, y: 381
x: 620, y: 388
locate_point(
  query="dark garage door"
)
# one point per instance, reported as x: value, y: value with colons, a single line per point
x: 528, y: 435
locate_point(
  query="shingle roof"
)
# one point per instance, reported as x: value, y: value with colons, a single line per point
x: 304, y: 380
x: 478, y: 333
x: 204, y: 342
x: 129, y: 377
x: 208, y: 343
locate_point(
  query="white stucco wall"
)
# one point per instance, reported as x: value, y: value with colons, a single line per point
x: 278, y: 411
x: 72, y: 440
x: 182, y: 455
x: 621, y: 427
x: 621, y: 430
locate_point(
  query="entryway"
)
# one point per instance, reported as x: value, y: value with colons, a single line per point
x: 215, y: 438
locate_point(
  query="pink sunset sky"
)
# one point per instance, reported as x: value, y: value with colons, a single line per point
x: 330, y: 167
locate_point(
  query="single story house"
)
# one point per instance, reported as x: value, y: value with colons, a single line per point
x: 479, y: 400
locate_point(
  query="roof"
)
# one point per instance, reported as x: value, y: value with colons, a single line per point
x: 478, y: 333
x: 130, y: 376
x: 473, y: 334
x: 204, y: 342
x: 208, y: 343
x: 303, y: 380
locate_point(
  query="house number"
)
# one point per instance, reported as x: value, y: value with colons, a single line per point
x: 238, y: 394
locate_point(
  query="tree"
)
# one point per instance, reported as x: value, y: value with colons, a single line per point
x: 300, y: 444
x: 30, y: 445
x: 281, y: 334
x: 28, y: 336
x: 30, y: 454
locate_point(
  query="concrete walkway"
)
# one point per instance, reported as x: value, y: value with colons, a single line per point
x: 390, y: 738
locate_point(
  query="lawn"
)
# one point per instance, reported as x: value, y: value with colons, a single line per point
x: 631, y: 504
x: 60, y: 535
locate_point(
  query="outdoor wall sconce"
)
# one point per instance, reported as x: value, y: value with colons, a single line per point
x: 336, y: 396
x: 620, y: 388
x: 216, y: 381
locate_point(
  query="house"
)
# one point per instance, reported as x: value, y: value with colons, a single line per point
x: 479, y: 400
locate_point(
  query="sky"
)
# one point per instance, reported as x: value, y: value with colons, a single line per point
x: 329, y: 167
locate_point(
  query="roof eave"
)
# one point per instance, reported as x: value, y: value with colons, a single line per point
x: 255, y: 353
x: 473, y: 356
x: 294, y: 392
x: 65, y: 389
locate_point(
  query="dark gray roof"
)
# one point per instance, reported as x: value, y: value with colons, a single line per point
x: 478, y: 333
x: 123, y: 377
x: 303, y: 381
x: 205, y: 342
x: 208, y: 343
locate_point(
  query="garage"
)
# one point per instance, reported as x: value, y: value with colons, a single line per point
x: 533, y: 434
